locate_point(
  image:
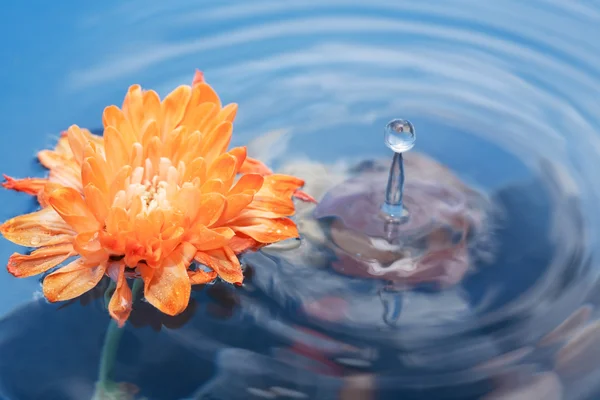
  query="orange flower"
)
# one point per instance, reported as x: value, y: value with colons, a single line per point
x: 156, y: 192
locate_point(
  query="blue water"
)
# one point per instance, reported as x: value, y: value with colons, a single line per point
x: 502, y: 93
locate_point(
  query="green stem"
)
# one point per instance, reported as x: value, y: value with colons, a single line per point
x: 110, y: 349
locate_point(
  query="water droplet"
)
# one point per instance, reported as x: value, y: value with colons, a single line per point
x: 400, y: 135
x: 35, y: 240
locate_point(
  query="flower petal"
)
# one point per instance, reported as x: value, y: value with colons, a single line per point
x: 211, y: 206
x: 28, y: 185
x: 248, y: 182
x: 90, y: 248
x: 265, y: 230
x: 240, y: 244
x: 173, y: 108
x: 200, y: 277
x: 39, y: 261
x: 77, y: 141
x: 254, y: 166
x: 117, y: 151
x: 217, y: 141
x: 72, y: 280
x: 115, y: 118
x: 69, y: 204
x: 209, y: 239
x: 120, y: 303
x: 41, y: 228
x: 96, y: 202
x: 168, y: 287
x: 224, y: 262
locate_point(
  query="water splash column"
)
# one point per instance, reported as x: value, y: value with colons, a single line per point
x: 400, y: 137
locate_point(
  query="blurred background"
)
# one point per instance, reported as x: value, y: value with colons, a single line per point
x: 504, y: 97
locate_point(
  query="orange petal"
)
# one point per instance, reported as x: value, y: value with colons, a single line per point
x: 187, y: 200
x: 198, y: 78
x: 28, y: 185
x: 209, y: 239
x: 96, y: 202
x: 115, y: 118
x: 254, y: 166
x: 93, y: 170
x: 41, y: 228
x: 43, y: 197
x: 168, y: 287
x: 39, y: 261
x: 152, y: 109
x: 228, y: 112
x: 69, y: 204
x: 281, y: 185
x: 196, y: 169
x: 224, y: 262
x: 303, y: 196
x: 173, y: 108
x: 217, y: 141
x: 120, y: 303
x: 77, y: 142
x: 117, y: 151
x: 72, y: 280
x: 200, y: 277
x: 213, y: 186
x: 133, y: 108
x: 240, y: 153
x: 207, y: 94
x: 266, y: 230
x: 64, y: 175
x: 210, y: 207
x: 90, y: 248
x: 247, y: 182
x: 240, y: 244
x: 52, y: 159
x: 224, y: 168
x: 235, y: 204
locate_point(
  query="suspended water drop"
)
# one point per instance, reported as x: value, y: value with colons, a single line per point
x: 400, y: 135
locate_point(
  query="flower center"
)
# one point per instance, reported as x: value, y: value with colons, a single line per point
x: 155, y: 187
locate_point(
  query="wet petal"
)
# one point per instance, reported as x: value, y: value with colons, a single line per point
x: 39, y: 261
x: 224, y: 262
x: 72, y: 280
x: 235, y: 204
x: 90, y: 248
x: 69, y: 204
x: 204, y: 238
x: 210, y: 207
x: 41, y: 228
x: 266, y: 230
x: 240, y: 244
x: 168, y: 287
x: 120, y: 303
x: 200, y: 277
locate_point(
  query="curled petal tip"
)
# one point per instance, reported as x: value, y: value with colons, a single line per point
x: 302, y: 195
x: 198, y: 78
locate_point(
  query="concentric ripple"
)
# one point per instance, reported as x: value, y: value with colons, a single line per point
x: 503, y: 93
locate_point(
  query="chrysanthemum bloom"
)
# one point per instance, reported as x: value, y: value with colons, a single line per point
x: 156, y: 192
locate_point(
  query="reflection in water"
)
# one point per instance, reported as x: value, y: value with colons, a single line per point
x: 494, y: 88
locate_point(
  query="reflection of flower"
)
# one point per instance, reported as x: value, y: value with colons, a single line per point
x: 156, y: 192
